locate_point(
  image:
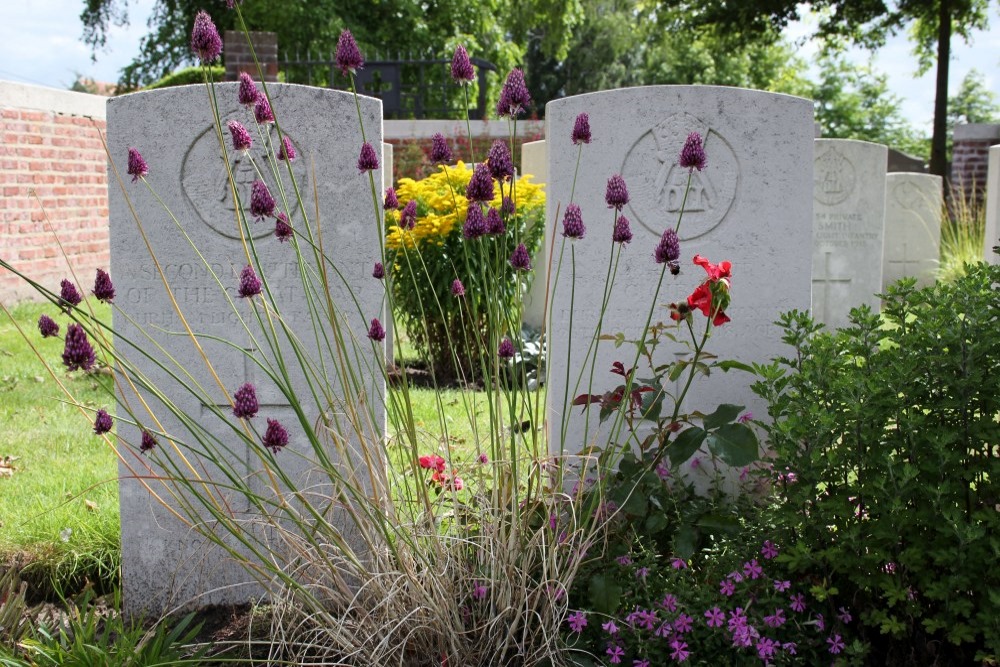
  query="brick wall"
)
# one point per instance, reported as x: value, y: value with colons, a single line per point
x: 970, y: 158
x: 53, y: 172
x: 236, y: 53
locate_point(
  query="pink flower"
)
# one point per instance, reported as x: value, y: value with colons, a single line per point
x: 836, y: 644
x: 798, y: 602
x: 669, y: 602
x: 769, y: 549
x: 679, y: 652
x: 615, y: 652
x: 715, y: 617
x: 577, y: 621
x: 727, y: 587
x: 844, y: 615
x: 483, y: 458
x: 678, y: 564
x: 782, y: 586
x: 753, y: 569
x: 432, y: 461
x: 610, y: 628
x: 683, y: 624
x: 478, y: 591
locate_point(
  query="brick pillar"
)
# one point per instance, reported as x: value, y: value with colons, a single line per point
x: 970, y: 158
x: 236, y: 53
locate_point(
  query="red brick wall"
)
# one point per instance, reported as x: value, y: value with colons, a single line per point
x: 53, y: 173
x: 970, y: 157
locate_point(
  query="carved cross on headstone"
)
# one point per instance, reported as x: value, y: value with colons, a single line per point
x: 826, y: 279
x: 905, y: 262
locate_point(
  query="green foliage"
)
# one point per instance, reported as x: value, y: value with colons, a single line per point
x: 886, y: 436
x: 187, y: 76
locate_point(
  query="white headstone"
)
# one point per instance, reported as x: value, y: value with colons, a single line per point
x: 913, y: 209
x: 534, y: 161
x: 752, y: 206
x: 164, y: 561
x: 992, y: 233
x: 849, y: 196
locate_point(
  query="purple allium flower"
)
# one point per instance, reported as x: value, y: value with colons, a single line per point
x: 348, y: 54
x: 408, y: 218
x: 248, y: 90
x: 500, y: 161
x: 615, y: 654
x: 494, y: 222
x: 482, y: 457
x: 102, y: 422
x: 148, y: 442
x: 68, y: 294
x: 457, y: 289
x: 231, y: 4
x: 47, y: 326
x: 520, y: 259
x: 683, y: 624
x: 798, y: 602
x: 727, y: 587
x: 577, y: 621
x: 379, y: 271
x: 390, y: 202
x: 507, y: 206
x: 137, y: 167
x: 610, y: 628
x: 262, y: 111
x: 844, y: 615
x: 715, y: 617
x: 769, y: 549
x: 261, y: 201
x: 249, y: 282
x: 475, y: 222
x: 461, y: 67
x: 668, y: 250
x: 514, y: 96
x: 275, y: 437
x: 836, y: 643
x: 573, y: 223
x: 480, y: 187
x: 205, y: 40
x: 440, y: 151
x: 367, y: 161
x: 287, y: 150
x: 478, y: 591
x: 103, y: 289
x: 622, y: 232
x: 242, y: 141
x: 282, y: 228
x: 506, y: 349
x: 377, y: 331
x: 616, y: 194
x: 693, y: 154
x: 245, y: 404
x: 679, y: 652
x: 581, y: 129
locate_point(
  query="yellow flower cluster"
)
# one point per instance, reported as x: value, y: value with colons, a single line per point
x: 442, y: 196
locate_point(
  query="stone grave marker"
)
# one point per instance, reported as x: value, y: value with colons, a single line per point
x: 992, y: 233
x: 849, y: 193
x: 534, y: 161
x: 913, y: 207
x: 750, y: 206
x: 165, y: 562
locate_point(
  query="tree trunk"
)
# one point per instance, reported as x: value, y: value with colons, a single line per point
x: 939, y: 140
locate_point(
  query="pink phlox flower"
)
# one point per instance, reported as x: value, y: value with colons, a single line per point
x: 727, y: 587
x: 642, y: 573
x: 737, y: 619
x: 745, y: 635
x: 678, y: 564
x: 766, y: 648
x: 769, y: 549
x: 715, y: 617
x: 844, y: 615
x: 753, y: 569
x: 615, y: 653
x: 665, y: 629
x: 798, y: 602
x: 669, y: 602
x: 624, y: 560
x: 782, y: 586
x: 577, y: 621
x: 836, y: 643
x: 610, y: 628
x: 640, y: 663
x: 737, y: 577
x: 790, y: 648
x: 775, y: 620
x: 679, y: 650
x: 820, y: 622
x: 683, y: 624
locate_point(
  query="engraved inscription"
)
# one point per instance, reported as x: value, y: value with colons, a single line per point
x: 843, y: 230
x: 835, y: 178
x: 909, y: 196
x: 657, y: 184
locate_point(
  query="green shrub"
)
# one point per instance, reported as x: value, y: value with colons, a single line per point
x: 885, y: 437
x: 186, y: 77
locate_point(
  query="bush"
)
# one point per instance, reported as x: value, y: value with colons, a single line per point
x: 187, y: 76
x: 885, y: 436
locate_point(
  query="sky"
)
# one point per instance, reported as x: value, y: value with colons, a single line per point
x: 40, y: 44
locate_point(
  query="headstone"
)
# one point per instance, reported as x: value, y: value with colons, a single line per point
x: 166, y: 563
x: 900, y: 161
x: 992, y: 232
x: 751, y: 206
x: 913, y: 208
x: 534, y: 161
x: 849, y: 194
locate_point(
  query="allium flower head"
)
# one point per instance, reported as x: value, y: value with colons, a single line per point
x: 102, y: 422
x: 668, y: 249
x: 275, y: 437
x: 262, y: 111
x: 616, y: 194
x: 77, y: 353
x: 440, y: 151
x: 514, y: 96
x: 68, y: 294
x: 457, y: 288
x: 573, y: 223
x: 261, y: 201
x: 377, y: 331
x: 693, y: 154
x: 507, y: 206
x: 248, y: 92
x: 480, y: 187
x: 137, y: 167
x: 391, y: 202
x: 242, y: 141
x: 408, y: 218
x: 245, y: 404
x: 623, y: 231
x: 475, y: 223
x: 348, y: 54
x: 379, y: 271
x: 581, y: 129
x: 103, y: 289
x: 287, y: 150
x: 367, y: 161
x: 506, y: 349
x: 494, y: 223
x: 249, y: 282
x: 47, y: 326
x: 461, y: 67
x: 520, y: 259
x: 500, y: 161
x: 282, y: 228
x: 148, y: 442
x: 205, y: 40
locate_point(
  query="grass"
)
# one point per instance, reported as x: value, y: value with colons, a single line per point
x: 962, y: 233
